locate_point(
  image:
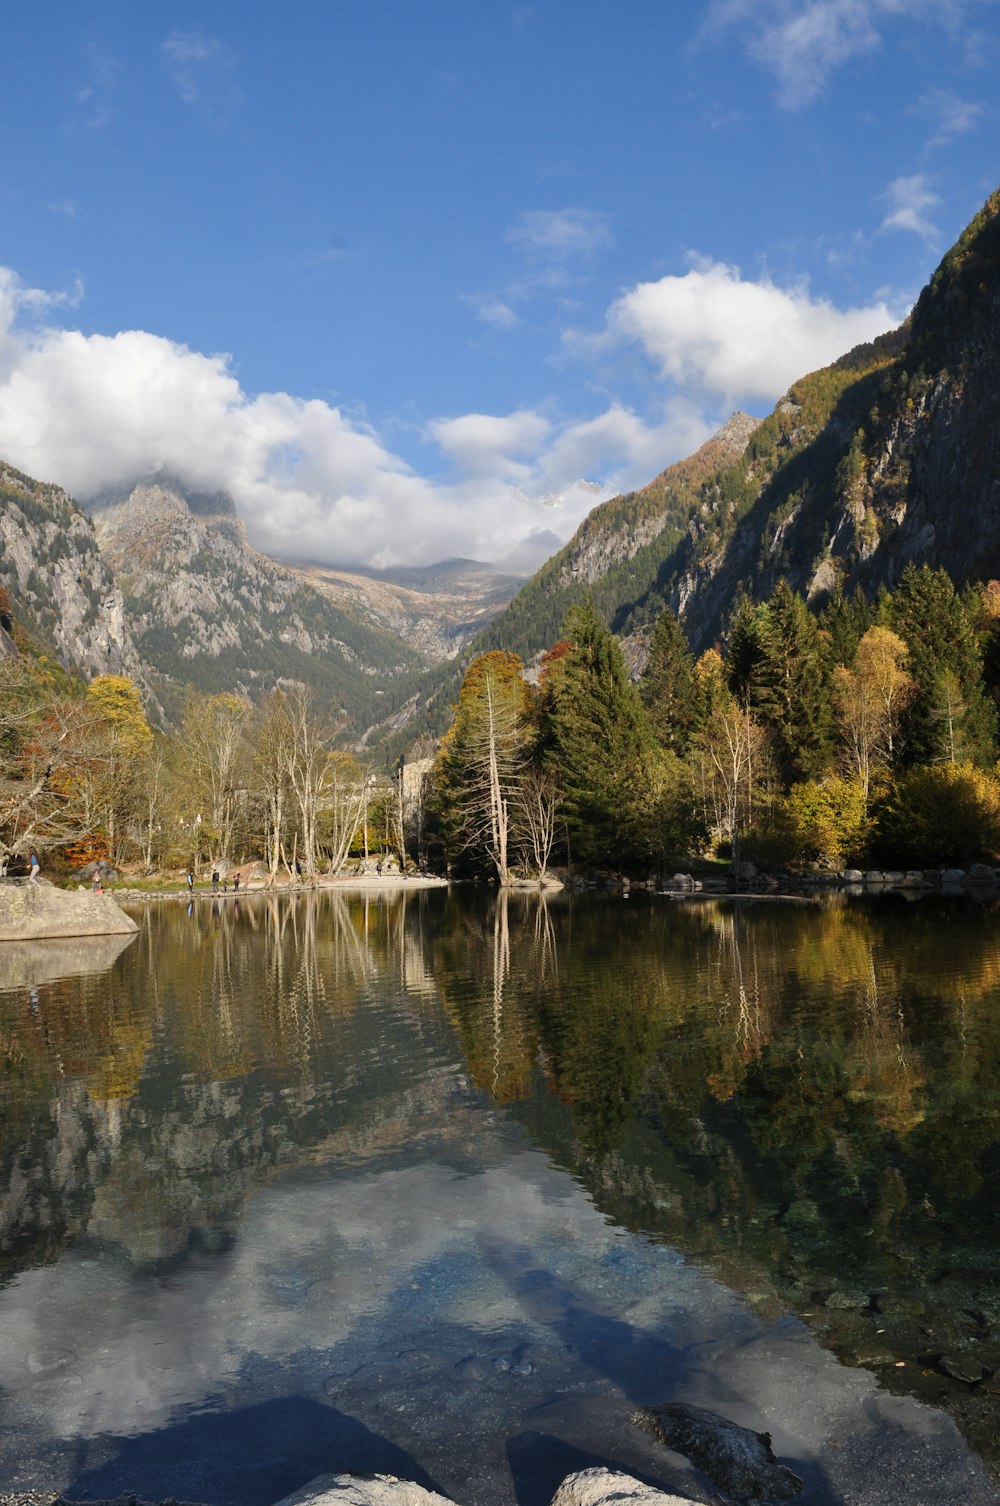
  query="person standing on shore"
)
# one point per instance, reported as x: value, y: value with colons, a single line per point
x: 35, y: 867
x: 191, y: 881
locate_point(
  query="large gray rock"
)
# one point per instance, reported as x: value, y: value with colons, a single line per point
x: 605, y: 1487
x: 363, y: 1490
x: 31, y: 912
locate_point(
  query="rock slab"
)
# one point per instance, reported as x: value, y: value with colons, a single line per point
x: 34, y: 912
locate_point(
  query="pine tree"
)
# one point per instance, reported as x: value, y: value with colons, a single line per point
x: 845, y: 620
x: 746, y: 650
x: 667, y: 686
x: 777, y: 665
x: 795, y: 687
x: 946, y: 662
x: 599, y: 742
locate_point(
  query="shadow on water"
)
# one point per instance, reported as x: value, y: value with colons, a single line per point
x: 645, y: 1368
x: 248, y: 1457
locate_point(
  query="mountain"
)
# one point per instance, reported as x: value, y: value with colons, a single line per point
x: 207, y: 609
x: 60, y: 591
x: 890, y: 454
x: 436, y: 609
x: 616, y: 553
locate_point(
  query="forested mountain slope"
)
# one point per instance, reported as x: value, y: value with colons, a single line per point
x: 890, y: 454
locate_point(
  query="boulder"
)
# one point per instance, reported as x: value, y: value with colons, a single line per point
x: 31, y: 912
x: 363, y: 1490
x: 108, y: 873
x: 953, y: 876
x: 736, y: 1459
x: 743, y: 872
x: 606, y: 1487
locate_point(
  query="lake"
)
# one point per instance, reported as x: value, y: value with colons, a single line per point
x: 448, y: 1184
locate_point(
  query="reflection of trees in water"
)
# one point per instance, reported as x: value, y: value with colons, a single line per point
x: 226, y: 1044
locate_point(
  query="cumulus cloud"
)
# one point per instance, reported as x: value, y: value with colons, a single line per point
x: 910, y: 201
x: 483, y: 443
x: 94, y: 411
x: 715, y: 332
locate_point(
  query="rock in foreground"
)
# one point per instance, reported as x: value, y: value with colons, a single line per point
x: 605, y: 1487
x: 363, y: 1490
x: 32, y: 912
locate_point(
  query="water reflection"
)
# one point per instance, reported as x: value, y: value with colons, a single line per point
x: 803, y: 1101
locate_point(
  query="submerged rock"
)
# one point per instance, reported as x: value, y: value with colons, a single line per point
x: 31, y: 912
x: 737, y: 1460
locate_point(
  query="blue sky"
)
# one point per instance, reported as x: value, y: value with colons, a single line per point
x: 415, y: 280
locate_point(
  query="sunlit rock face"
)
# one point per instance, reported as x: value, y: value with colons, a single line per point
x: 58, y: 584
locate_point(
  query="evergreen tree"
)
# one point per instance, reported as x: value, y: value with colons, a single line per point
x: 795, y: 693
x: 599, y: 742
x: 777, y: 665
x: 667, y: 686
x: 746, y: 650
x: 846, y: 620
x: 950, y: 715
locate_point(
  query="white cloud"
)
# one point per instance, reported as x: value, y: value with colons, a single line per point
x: 910, y: 200
x: 494, y: 311
x: 104, y: 76
x: 483, y: 444
x: 955, y: 116
x: 714, y: 332
x: 802, y: 42
x: 559, y: 235
x: 95, y: 411
x: 188, y: 55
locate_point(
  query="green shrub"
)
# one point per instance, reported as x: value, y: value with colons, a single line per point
x: 940, y: 815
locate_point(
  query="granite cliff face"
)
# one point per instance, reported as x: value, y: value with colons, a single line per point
x: 207, y: 609
x: 60, y: 588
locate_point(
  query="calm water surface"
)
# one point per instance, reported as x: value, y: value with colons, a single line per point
x: 447, y: 1185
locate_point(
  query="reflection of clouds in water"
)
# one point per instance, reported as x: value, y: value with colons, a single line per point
x: 384, y: 1275
x: 316, y: 1264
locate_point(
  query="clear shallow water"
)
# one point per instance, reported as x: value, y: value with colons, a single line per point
x: 446, y: 1186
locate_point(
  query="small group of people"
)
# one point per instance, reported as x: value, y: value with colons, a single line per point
x: 216, y: 881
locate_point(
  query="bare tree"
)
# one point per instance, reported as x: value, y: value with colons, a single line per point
x: 214, y: 736
x: 483, y: 758
x: 536, y: 801
x: 733, y: 752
